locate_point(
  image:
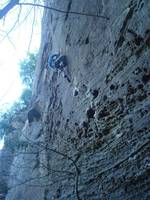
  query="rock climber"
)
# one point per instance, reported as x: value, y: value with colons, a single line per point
x: 57, y: 61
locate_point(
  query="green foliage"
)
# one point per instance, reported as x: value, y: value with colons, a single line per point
x: 5, y: 124
x: 26, y: 96
x: 7, y: 117
x: 27, y: 68
x: 12, y: 142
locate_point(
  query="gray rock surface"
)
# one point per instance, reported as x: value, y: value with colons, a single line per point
x: 93, y: 140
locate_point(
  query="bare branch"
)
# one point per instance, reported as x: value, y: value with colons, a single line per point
x: 8, y: 7
x: 63, y: 11
x: 32, y: 29
x: 43, y: 146
x: 13, y: 27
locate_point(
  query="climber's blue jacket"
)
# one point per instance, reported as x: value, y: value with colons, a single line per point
x: 57, y: 61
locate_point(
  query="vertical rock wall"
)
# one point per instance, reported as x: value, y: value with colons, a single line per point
x: 93, y: 139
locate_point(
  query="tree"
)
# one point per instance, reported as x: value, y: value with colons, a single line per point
x: 27, y: 68
x: 5, y: 124
x: 8, y: 7
x: 26, y: 96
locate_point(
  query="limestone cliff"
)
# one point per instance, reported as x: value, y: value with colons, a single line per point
x: 93, y: 139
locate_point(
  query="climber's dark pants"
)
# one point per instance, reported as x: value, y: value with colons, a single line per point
x: 61, y: 62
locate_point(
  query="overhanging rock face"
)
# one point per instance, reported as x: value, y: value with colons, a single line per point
x: 92, y: 141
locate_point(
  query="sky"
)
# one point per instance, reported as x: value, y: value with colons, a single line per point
x: 1, y: 143
x: 14, y: 47
x: 15, y: 42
